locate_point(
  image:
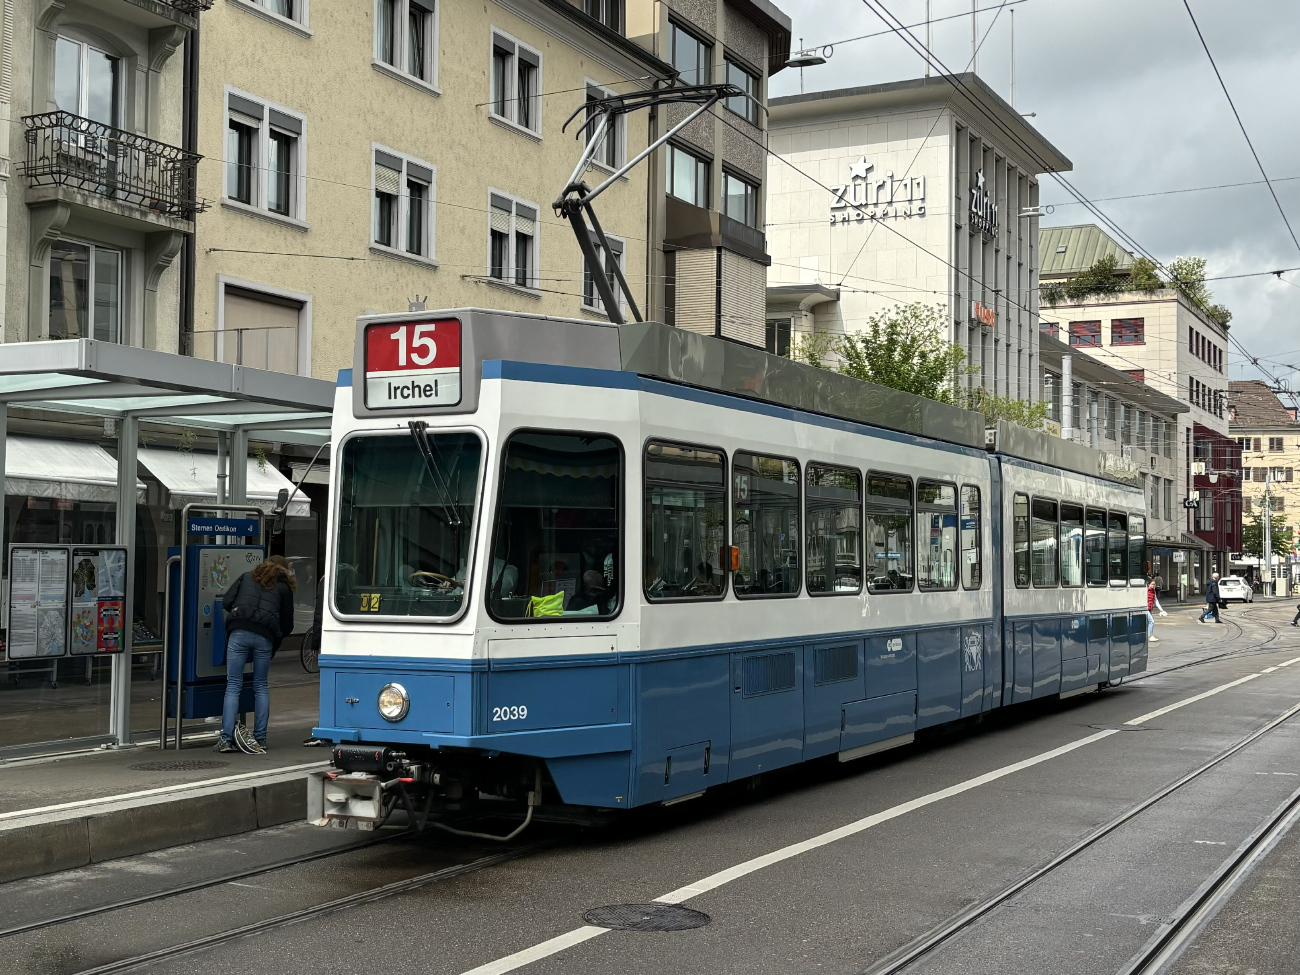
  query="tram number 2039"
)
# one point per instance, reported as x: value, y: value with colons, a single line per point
x: 512, y: 713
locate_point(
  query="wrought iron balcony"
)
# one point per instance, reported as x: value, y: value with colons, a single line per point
x: 189, y: 6
x: 70, y: 151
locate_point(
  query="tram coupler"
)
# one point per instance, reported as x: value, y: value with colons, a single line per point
x: 365, y: 786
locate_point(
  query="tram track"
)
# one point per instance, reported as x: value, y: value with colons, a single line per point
x: 1175, y: 933
x: 1253, y: 649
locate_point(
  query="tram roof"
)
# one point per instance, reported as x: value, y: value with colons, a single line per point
x: 676, y: 355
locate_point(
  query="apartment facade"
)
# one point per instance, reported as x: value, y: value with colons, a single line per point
x: 914, y: 191
x: 101, y: 199
x: 1269, y: 438
x: 1162, y: 339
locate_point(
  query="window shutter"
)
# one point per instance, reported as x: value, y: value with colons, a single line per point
x: 1290, y: 474
x: 500, y: 217
x: 525, y: 220
x: 1259, y: 445
x: 1261, y: 474
x: 387, y: 180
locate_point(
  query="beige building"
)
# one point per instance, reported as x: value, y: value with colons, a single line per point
x: 1269, y: 437
x: 96, y: 218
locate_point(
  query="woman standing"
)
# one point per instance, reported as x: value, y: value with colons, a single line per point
x: 259, y: 614
x: 1153, y: 605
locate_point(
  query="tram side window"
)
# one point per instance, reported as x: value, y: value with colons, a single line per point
x: 765, y: 525
x: 1094, y: 547
x: 936, y: 536
x: 556, y: 545
x: 1020, y: 545
x: 1071, y: 545
x: 406, y: 524
x: 1137, y: 550
x: 685, y: 522
x: 971, y: 568
x: 1046, y: 560
x: 833, y: 498
x: 1118, y: 548
x: 889, y: 533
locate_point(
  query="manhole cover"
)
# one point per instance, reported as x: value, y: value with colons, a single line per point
x: 194, y: 765
x: 646, y: 917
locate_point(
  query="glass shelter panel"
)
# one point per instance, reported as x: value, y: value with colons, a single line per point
x: 556, y: 547
x: 405, y: 524
x: 685, y: 522
x: 765, y: 525
x: 834, y: 501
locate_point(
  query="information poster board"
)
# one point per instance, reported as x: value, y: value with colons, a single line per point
x: 98, y: 599
x: 39, y: 591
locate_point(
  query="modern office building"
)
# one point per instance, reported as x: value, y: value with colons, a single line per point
x: 914, y: 191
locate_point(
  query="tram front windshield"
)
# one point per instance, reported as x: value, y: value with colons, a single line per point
x: 406, y: 523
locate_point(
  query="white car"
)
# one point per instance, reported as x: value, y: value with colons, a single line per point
x: 1235, y: 588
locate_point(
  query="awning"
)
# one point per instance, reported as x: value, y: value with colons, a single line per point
x: 191, y: 476
x: 69, y: 469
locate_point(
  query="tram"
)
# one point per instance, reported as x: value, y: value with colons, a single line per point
x: 589, y: 565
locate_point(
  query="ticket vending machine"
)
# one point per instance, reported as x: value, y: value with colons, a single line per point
x: 220, y: 547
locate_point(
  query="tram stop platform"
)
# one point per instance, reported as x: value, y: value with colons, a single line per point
x: 60, y: 811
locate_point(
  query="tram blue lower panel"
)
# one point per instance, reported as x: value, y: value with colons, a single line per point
x: 682, y: 703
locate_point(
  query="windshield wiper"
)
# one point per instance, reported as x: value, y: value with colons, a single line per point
x: 420, y: 434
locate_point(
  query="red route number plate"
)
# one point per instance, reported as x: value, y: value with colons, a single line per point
x: 413, y: 364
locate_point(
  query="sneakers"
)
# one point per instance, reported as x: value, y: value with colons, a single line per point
x: 225, y: 745
x: 261, y: 743
x: 246, y: 742
x: 1153, y: 639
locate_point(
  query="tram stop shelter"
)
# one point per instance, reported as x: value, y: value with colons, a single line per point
x: 91, y: 398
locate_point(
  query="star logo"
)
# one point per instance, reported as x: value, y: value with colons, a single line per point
x: 859, y: 169
x: 979, y: 180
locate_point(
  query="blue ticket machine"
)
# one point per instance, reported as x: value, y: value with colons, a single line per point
x: 196, y: 624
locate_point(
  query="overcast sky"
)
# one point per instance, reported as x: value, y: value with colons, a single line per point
x: 1124, y: 90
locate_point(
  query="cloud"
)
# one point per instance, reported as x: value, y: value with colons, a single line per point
x: 1123, y: 88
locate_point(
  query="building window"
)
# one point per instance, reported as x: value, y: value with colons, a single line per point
x: 512, y: 241
x: 590, y: 296
x: 1051, y: 329
x: 608, y: 12
x: 1169, y: 500
x: 689, y: 55
x: 85, y: 291
x: 1128, y: 331
x: 1243, y: 443
x: 610, y: 151
x: 1277, y: 474
x: 1275, y: 444
x: 264, y: 156
x: 404, y: 194
x: 256, y: 329
x: 1112, y: 419
x: 1085, y: 333
x: 295, y: 10
x: 778, y: 336
x: 740, y: 200
x: 86, y: 81
x: 1139, y: 374
x: 746, y: 105
x: 688, y: 177
x: 516, y: 82
x: 1052, y: 395
x: 406, y: 35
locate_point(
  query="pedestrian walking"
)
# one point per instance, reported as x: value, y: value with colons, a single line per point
x: 1211, y: 601
x: 1296, y: 620
x: 1153, y: 605
x: 259, y: 614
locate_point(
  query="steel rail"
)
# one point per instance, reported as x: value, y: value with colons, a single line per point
x: 319, y: 910
x: 906, y: 956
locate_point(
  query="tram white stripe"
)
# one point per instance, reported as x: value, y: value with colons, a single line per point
x: 1143, y: 719
x: 578, y: 935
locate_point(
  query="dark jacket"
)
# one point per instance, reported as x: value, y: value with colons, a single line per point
x: 250, y: 606
x: 1212, y: 591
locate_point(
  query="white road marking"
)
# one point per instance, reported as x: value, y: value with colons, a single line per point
x: 578, y: 935
x: 1211, y: 842
x: 1288, y: 663
x: 1143, y: 719
x: 1268, y: 670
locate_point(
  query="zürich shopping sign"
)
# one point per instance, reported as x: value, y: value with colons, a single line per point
x: 866, y: 197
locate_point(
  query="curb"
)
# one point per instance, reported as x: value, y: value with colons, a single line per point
x: 78, y: 834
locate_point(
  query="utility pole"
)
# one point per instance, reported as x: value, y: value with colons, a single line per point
x: 1013, y: 57
x: 928, y: 46
x: 974, y: 41
x: 1266, y: 576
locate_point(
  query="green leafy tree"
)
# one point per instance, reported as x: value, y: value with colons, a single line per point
x: 1252, y: 535
x: 1189, y: 279
x: 1143, y: 276
x: 905, y: 348
x: 1052, y: 294
x: 1098, y: 280
x: 1008, y: 408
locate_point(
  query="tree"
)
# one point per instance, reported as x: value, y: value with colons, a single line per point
x: 1252, y: 535
x: 1099, y: 280
x: 1189, y: 279
x: 905, y: 348
x: 1021, y: 411
x: 1142, y: 276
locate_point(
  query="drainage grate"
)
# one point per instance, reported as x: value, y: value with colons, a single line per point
x: 646, y: 917
x: 193, y: 765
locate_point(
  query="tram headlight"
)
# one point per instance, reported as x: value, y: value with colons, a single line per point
x: 394, y: 702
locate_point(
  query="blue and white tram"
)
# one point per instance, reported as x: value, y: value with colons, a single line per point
x: 557, y: 574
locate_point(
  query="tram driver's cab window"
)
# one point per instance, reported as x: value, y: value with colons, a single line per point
x: 685, y: 522
x: 765, y: 525
x: 556, y: 549
x: 406, y: 523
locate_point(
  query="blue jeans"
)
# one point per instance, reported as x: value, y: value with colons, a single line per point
x: 1151, y: 625
x: 241, y: 645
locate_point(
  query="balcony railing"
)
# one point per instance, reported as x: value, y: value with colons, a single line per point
x: 67, y: 150
x: 270, y: 347
x: 189, y: 6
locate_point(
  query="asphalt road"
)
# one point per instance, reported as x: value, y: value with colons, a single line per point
x: 827, y: 868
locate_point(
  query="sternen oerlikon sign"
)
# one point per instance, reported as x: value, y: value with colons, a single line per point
x: 866, y: 197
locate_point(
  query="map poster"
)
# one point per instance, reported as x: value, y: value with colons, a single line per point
x: 98, y: 599
x: 38, y: 601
